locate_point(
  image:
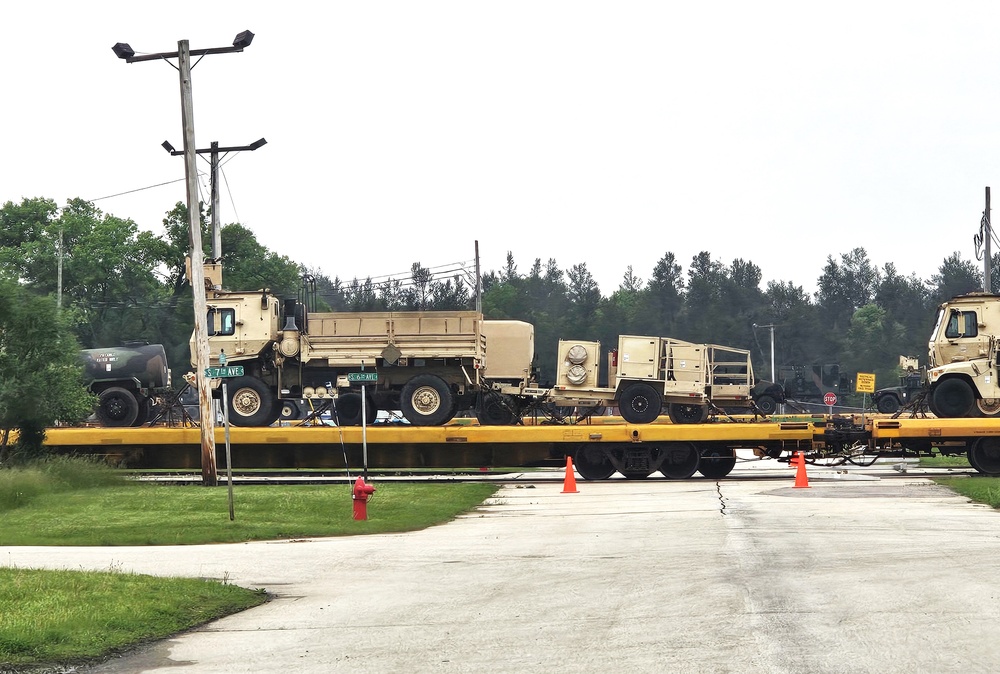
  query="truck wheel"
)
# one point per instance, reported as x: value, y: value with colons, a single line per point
x: 640, y: 404
x: 251, y: 402
x: 289, y: 411
x: 987, y: 407
x: 117, y: 407
x: 766, y: 404
x: 953, y: 398
x: 717, y: 463
x: 348, y: 408
x: 887, y: 404
x: 681, y: 413
x: 492, y: 410
x: 427, y: 401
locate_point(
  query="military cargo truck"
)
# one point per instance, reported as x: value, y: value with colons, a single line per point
x: 428, y: 364
x: 962, y: 357
x: 126, y: 380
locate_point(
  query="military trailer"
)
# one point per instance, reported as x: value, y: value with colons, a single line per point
x: 126, y: 380
x: 648, y: 376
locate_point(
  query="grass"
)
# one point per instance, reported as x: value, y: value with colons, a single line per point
x: 73, y: 616
x: 979, y: 489
x: 945, y: 461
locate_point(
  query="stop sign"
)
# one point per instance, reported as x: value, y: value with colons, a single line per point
x: 830, y: 398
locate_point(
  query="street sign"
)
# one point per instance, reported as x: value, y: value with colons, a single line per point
x: 220, y: 372
x: 362, y: 376
x: 830, y: 398
x: 865, y: 383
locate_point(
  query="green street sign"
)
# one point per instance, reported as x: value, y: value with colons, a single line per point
x: 362, y: 376
x: 220, y: 372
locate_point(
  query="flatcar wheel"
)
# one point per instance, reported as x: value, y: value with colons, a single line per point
x: 592, y: 463
x: 984, y: 455
x: 717, y: 463
x: 680, y: 461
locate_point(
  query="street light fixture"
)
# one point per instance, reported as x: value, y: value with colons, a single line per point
x: 202, y: 356
x: 214, y: 163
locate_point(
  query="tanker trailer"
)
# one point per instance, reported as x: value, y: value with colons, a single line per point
x: 125, y: 380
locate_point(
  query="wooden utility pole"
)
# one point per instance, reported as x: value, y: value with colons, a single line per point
x: 987, y: 235
x: 209, y: 473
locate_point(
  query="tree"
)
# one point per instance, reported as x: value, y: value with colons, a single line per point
x: 955, y: 277
x: 41, y: 374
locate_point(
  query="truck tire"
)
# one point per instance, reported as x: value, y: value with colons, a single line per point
x: 427, y: 401
x: 766, y: 404
x: 493, y: 410
x: 681, y: 413
x: 887, y: 404
x: 640, y: 404
x: 987, y: 407
x: 117, y: 407
x: 348, y: 409
x: 290, y: 411
x: 251, y: 402
x: 953, y: 398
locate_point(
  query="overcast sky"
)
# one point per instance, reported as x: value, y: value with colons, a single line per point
x: 608, y: 133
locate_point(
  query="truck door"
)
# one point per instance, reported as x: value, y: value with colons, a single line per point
x: 960, y: 338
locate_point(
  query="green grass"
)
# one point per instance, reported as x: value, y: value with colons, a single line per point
x: 979, y: 489
x: 58, y: 616
x: 51, y: 617
x: 945, y: 461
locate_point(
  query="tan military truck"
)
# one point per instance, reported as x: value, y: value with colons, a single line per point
x: 651, y: 375
x: 430, y: 365
x: 962, y: 357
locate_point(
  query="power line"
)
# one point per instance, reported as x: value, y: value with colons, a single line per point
x: 138, y: 189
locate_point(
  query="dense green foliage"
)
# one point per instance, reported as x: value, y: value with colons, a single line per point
x: 120, y: 283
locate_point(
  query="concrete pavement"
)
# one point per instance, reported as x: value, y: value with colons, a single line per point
x: 753, y: 575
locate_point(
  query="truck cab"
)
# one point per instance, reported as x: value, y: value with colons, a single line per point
x: 961, y: 357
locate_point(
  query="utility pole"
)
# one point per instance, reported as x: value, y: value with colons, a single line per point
x: 214, y: 152
x: 202, y: 356
x: 987, y: 235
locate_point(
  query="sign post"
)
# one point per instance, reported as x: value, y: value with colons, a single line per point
x: 363, y: 377
x: 864, y: 384
x: 830, y: 399
x: 223, y: 372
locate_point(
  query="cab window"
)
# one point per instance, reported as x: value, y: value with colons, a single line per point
x: 962, y: 324
x: 221, y: 322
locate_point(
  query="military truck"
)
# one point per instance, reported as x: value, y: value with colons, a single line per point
x: 126, y: 380
x: 962, y: 357
x: 891, y: 399
x: 648, y: 376
x: 430, y: 365
x: 807, y: 384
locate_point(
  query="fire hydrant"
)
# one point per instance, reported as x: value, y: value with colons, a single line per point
x: 361, y: 493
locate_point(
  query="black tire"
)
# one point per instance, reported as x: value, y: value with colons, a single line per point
x: 680, y: 461
x: 289, y: 411
x: 427, y: 401
x: 681, y: 413
x: 145, y: 410
x: 117, y: 407
x: 593, y: 463
x: 717, y: 463
x: 953, y: 398
x: 492, y: 410
x: 987, y: 408
x: 348, y: 408
x: 640, y: 404
x: 984, y: 455
x: 766, y: 404
x: 251, y: 402
x: 887, y: 404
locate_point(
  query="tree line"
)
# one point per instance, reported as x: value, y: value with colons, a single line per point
x: 110, y: 282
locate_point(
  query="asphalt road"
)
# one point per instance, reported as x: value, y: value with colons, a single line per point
x: 739, y: 575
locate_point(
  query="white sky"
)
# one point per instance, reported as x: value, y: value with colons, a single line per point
x: 601, y: 132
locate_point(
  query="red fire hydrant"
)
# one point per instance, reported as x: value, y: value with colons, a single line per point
x: 361, y: 493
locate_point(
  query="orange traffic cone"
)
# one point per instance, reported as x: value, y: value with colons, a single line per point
x: 793, y: 460
x: 569, y: 484
x: 801, y: 479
